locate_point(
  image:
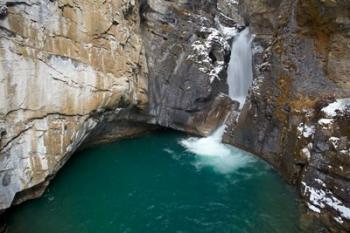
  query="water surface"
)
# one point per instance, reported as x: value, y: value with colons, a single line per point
x: 153, y: 184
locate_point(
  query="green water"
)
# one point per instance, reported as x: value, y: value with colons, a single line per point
x: 152, y: 184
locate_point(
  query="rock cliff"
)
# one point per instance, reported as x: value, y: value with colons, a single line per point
x: 297, y: 116
x: 62, y: 65
x: 187, y: 50
x: 76, y: 72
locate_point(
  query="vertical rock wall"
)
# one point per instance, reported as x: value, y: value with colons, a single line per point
x: 62, y: 64
x: 297, y: 117
x: 187, y: 49
x: 74, y: 71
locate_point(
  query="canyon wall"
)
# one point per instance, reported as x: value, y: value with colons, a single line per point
x: 63, y: 64
x: 78, y: 72
x: 298, y: 113
x: 74, y: 72
x: 187, y: 49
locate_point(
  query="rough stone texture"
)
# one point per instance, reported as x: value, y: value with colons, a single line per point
x: 187, y: 53
x: 62, y: 65
x: 228, y: 10
x: 74, y: 72
x: 325, y: 180
x: 301, y: 64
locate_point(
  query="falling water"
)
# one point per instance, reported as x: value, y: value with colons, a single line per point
x: 208, y: 146
x: 210, y: 150
x: 239, y: 73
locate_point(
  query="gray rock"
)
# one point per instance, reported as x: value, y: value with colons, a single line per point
x: 3, y: 11
x: 299, y: 68
x: 187, y: 57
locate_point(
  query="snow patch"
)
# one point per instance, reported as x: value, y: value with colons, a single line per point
x: 344, y: 152
x: 321, y: 199
x: 257, y: 82
x: 202, y: 48
x: 334, y: 141
x: 313, y: 208
x: 305, y: 151
x: 337, y: 107
x: 320, y: 182
x: 325, y: 121
x: 339, y: 220
x: 306, y: 130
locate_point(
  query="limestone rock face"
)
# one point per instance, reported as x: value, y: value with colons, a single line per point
x: 75, y: 71
x: 79, y: 71
x: 296, y: 116
x: 187, y: 49
x: 62, y: 65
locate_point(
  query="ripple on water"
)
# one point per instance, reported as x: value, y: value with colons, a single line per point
x: 154, y: 184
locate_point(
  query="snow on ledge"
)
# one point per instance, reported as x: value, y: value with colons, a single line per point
x: 334, y: 141
x: 325, y: 121
x: 306, y: 130
x: 319, y: 199
x: 201, y: 50
x: 338, y: 106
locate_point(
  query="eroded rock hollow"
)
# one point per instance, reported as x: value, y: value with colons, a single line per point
x: 75, y: 73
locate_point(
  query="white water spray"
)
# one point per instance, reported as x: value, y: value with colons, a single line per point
x: 208, y: 146
x: 210, y: 150
x: 239, y: 72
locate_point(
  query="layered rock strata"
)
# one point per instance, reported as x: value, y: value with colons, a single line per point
x: 62, y: 65
x: 75, y: 72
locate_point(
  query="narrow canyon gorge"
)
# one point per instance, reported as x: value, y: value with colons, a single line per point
x: 78, y: 73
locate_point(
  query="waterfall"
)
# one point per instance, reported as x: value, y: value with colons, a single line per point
x: 210, y: 150
x: 207, y: 146
x: 239, y: 72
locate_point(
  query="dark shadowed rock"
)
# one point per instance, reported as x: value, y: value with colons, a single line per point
x: 187, y: 52
x: 3, y: 11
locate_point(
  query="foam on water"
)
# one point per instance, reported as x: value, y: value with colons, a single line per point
x: 148, y: 184
x: 211, y: 152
